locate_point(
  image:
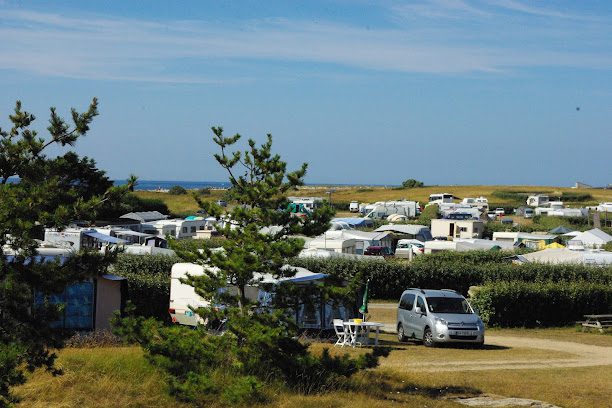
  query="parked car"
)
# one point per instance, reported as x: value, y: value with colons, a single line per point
x: 500, y: 211
x: 406, y: 246
x: 222, y: 203
x: 378, y: 250
x: 438, y: 316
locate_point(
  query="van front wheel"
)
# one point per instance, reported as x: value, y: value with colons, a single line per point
x: 401, y: 336
x: 428, y: 340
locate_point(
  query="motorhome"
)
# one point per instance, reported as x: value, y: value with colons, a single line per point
x: 309, y: 203
x: 354, y: 207
x: 441, y: 198
x: 309, y: 315
x: 383, y: 209
x: 482, y: 203
x: 537, y: 200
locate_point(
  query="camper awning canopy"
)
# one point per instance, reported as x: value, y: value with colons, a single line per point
x: 105, y: 238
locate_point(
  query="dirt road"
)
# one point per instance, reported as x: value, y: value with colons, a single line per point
x: 584, y: 355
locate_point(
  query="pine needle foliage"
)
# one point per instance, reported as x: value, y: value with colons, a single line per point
x: 38, y: 191
x: 259, y: 350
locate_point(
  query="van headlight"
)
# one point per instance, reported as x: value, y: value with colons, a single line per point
x: 440, y: 322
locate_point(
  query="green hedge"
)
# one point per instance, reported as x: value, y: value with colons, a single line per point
x: 450, y: 270
x: 148, y: 278
x: 531, y: 304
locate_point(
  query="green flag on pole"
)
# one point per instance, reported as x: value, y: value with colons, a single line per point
x: 364, y: 305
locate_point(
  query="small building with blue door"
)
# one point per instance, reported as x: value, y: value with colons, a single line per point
x: 88, y: 305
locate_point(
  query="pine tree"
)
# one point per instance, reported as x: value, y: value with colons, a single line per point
x: 259, y: 345
x: 37, y: 191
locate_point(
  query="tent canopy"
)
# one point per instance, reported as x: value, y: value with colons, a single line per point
x: 560, y: 230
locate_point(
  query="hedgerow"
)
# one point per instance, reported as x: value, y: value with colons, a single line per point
x: 450, y: 270
x: 530, y: 304
x: 148, y: 280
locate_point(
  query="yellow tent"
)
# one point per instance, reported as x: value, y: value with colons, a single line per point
x: 554, y: 245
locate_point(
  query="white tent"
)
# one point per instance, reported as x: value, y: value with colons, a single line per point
x: 594, y: 238
x: 567, y: 256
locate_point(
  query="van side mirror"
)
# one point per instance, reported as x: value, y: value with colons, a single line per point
x: 418, y: 310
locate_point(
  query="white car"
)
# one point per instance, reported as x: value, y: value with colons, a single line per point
x: 406, y: 246
x: 500, y: 211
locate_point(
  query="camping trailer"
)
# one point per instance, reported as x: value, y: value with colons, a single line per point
x: 309, y: 314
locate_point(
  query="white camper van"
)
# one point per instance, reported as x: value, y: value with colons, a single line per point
x: 441, y: 198
x: 183, y: 298
x: 354, y: 207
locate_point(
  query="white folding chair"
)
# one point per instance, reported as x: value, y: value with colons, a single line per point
x: 353, y: 335
x: 341, y: 332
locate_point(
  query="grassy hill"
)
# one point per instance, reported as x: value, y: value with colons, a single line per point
x: 497, y: 195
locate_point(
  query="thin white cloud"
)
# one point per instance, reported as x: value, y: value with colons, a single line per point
x: 528, y: 8
x: 97, y: 47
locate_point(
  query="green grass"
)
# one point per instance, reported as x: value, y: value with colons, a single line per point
x: 185, y: 204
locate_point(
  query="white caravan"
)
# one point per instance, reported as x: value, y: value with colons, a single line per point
x: 440, y: 198
x: 383, y: 209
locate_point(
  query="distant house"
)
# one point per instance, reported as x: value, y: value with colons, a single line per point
x: 457, y: 228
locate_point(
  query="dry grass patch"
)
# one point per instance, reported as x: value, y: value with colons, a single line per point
x: 101, y: 377
x: 569, y: 388
x: 573, y: 334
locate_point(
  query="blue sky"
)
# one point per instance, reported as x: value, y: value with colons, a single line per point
x: 444, y: 91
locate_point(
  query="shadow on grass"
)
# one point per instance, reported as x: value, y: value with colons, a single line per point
x: 388, y: 387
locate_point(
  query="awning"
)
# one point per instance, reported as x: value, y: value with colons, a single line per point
x: 105, y: 238
x: 113, y: 277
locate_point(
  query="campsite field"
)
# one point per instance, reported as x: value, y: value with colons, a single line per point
x: 120, y: 376
x: 184, y: 204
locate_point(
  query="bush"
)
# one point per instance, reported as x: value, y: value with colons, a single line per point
x: 530, y: 304
x: 177, y: 190
x: 204, y: 191
x: 568, y: 196
x: 148, y: 278
x: 131, y: 203
x: 412, y: 183
x: 450, y: 270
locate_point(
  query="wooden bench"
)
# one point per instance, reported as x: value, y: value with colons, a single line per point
x: 600, y: 322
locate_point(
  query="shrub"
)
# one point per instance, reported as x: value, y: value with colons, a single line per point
x: 451, y: 270
x: 148, y: 278
x: 412, y: 183
x: 177, y: 190
x: 568, y: 196
x: 530, y: 304
x: 204, y: 191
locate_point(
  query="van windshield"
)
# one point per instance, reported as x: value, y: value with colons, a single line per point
x: 448, y: 305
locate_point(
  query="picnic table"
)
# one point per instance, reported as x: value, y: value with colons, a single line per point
x: 601, y: 322
x: 361, y: 331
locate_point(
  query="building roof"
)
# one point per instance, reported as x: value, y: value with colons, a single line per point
x: 567, y: 256
x: 560, y: 230
x: 594, y: 236
x: 103, y: 237
x: 145, y: 216
x: 355, y: 221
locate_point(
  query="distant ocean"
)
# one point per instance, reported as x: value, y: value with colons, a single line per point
x: 190, y: 185
x: 167, y: 184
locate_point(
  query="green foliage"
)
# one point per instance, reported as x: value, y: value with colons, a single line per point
x: 451, y: 270
x: 148, y: 280
x: 204, y: 191
x: 412, y: 183
x: 177, y: 190
x: 549, y: 303
x: 259, y: 346
x: 131, y: 203
x: 49, y: 191
x: 429, y: 213
x: 569, y: 196
x: 607, y: 247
